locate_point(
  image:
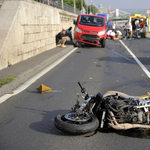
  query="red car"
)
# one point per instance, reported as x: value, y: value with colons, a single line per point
x: 90, y: 29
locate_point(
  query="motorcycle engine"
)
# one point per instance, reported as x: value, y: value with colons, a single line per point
x: 125, y: 111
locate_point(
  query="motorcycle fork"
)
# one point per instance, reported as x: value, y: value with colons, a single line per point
x: 102, y: 118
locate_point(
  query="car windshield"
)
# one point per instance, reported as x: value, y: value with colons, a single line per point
x: 91, y: 21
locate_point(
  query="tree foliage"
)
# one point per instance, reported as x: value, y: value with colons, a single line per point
x: 78, y: 4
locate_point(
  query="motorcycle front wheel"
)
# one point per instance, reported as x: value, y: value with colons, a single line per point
x: 76, y: 127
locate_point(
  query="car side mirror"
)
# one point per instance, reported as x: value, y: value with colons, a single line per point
x: 74, y: 22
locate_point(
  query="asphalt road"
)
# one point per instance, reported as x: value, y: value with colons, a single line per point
x: 26, y: 120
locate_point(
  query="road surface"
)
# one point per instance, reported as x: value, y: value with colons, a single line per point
x: 26, y: 119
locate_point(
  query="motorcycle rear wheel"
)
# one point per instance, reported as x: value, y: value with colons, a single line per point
x: 73, y: 127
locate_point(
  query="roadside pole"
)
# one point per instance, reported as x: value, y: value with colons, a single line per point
x: 148, y: 12
x: 82, y: 6
x: 75, y: 6
x: 87, y: 7
x: 62, y: 3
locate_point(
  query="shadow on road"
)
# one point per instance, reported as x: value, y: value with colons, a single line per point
x: 135, y: 133
x: 88, y: 46
x: 46, y: 125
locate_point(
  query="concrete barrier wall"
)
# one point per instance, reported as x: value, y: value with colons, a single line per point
x: 28, y: 28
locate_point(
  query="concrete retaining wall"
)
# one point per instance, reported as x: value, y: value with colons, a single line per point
x: 28, y: 28
x: 1, y: 2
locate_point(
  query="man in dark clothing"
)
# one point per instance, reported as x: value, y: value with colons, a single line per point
x: 61, y: 38
x: 68, y: 33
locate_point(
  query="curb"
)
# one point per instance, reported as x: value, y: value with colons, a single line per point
x: 27, y: 74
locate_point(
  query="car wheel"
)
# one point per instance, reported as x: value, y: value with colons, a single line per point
x: 75, y: 45
x: 103, y: 43
x: 80, y: 46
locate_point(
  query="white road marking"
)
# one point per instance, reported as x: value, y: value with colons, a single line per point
x: 36, y: 77
x: 136, y: 59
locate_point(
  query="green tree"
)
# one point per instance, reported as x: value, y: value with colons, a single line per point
x: 94, y: 10
x: 69, y: 2
x: 78, y: 3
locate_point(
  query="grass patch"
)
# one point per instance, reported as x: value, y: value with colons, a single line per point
x: 7, y: 80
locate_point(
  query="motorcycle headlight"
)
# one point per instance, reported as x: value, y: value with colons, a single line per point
x: 78, y: 30
x: 101, y: 32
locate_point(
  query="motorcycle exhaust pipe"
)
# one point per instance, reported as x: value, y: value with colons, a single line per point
x: 125, y: 126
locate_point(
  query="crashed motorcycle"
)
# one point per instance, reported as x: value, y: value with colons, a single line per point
x: 112, y: 110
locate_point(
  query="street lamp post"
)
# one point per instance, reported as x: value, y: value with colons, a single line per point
x: 93, y: 8
x: 90, y: 7
x: 74, y: 6
x: 87, y: 8
x: 82, y: 6
x: 62, y: 3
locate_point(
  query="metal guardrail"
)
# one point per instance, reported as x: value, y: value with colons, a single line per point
x: 58, y: 4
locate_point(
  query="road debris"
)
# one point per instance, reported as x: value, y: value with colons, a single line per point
x: 44, y: 89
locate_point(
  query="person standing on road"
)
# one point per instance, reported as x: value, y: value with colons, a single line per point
x: 137, y: 28
x: 114, y: 26
x: 109, y: 25
x: 133, y: 25
x: 61, y: 38
x: 128, y: 29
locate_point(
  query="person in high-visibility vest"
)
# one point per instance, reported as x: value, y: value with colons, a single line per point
x: 141, y: 23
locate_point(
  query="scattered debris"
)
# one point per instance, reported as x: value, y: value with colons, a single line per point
x: 44, y: 89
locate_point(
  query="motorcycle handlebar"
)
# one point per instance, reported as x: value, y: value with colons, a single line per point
x: 83, y: 90
x: 80, y: 85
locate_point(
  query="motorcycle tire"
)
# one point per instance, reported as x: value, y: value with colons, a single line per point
x: 103, y: 42
x: 73, y: 127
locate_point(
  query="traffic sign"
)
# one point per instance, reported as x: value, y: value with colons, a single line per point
x: 148, y: 11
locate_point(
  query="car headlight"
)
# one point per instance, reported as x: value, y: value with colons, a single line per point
x: 78, y: 30
x: 101, y: 32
